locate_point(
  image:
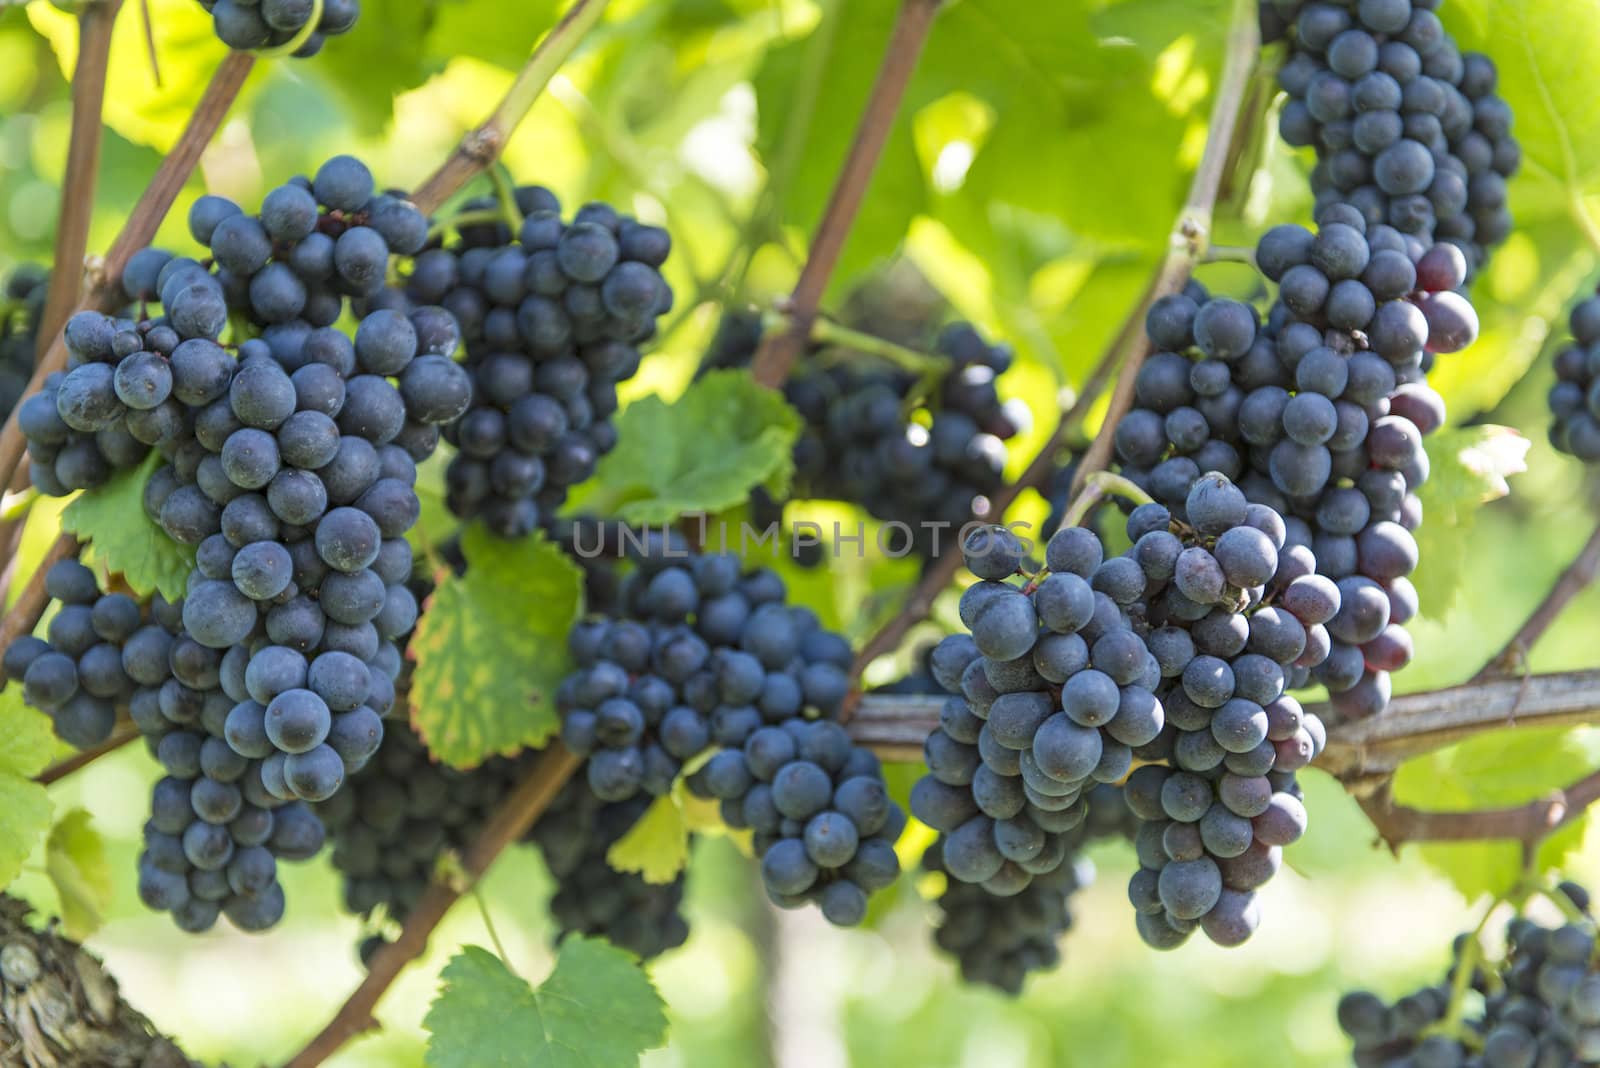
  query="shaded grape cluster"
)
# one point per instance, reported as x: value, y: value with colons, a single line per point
x: 1000, y: 941
x: 249, y: 25
x: 1574, y: 400
x: 1407, y: 128
x: 76, y: 673
x: 923, y: 451
x: 1538, y: 1005
x: 704, y: 654
x: 552, y: 317
x: 1319, y: 413
x: 398, y: 815
x: 591, y: 897
x: 316, y: 243
x: 26, y: 290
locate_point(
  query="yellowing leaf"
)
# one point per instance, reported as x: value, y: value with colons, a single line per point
x: 75, y: 858
x: 491, y: 648
x: 657, y: 847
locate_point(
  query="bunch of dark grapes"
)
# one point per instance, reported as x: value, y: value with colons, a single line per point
x: 76, y: 673
x: 922, y: 452
x: 1175, y: 654
x: 1054, y: 692
x: 1319, y: 413
x: 708, y: 656
x: 396, y: 818
x: 593, y: 898
x: 298, y: 498
x: 26, y: 290
x: 1227, y: 617
x: 824, y: 823
x: 1574, y: 400
x: 216, y: 833
x: 248, y: 25
x: 552, y: 317
x: 1000, y: 941
x: 115, y: 401
x: 1538, y: 1006
x: 1407, y: 128
x: 703, y: 655
x: 315, y: 242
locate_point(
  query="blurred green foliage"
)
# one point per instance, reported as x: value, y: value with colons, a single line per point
x: 1032, y: 176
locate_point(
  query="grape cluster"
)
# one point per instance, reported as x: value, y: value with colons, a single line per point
x: 824, y: 823
x: 117, y: 397
x: 77, y: 675
x: 1407, y: 128
x: 216, y: 833
x: 26, y: 290
x: 552, y: 317
x: 298, y: 498
x: 247, y: 25
x: 1540, y: 1005
x: 1175, y: 654
x: 1000, y: 941
x: 921, y: 450
x: 703, y: 655
x: 315, y: 242
x: 398, y: 815
x: 593, y: 898
x: 1318, y: 413
x: 1053, y: 692
x: 1574, y: 400
x: 917, y: 460
x: 707, y: 656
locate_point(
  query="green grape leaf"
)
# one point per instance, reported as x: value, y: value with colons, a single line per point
x: 124, y: 539
x: 480, y: 29
x: 491, y: 648
x: 1493, y: 770
x: 598, y: 1009
x: 703, y: 452
x: 1470, y: 466
x: 26, y: 746
x: 75, y: 858
x: 1544, y: 51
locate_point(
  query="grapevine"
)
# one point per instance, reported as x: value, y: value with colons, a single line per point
x: 409, y: 526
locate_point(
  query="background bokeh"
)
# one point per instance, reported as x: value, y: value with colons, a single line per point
x: 1032, y: 177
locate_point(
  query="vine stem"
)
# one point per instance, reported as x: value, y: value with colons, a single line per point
x: 779, y: 351
x: 827, y: 332
x: 23, y: 616
x: 1099, y: 486
x: 83, y: 166
x: 106, y: 291
x: 1191, y: 235
x: 1529, y: 823
x: 483, y: 144
x: 510, y: 822
x: 1573, y: 580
